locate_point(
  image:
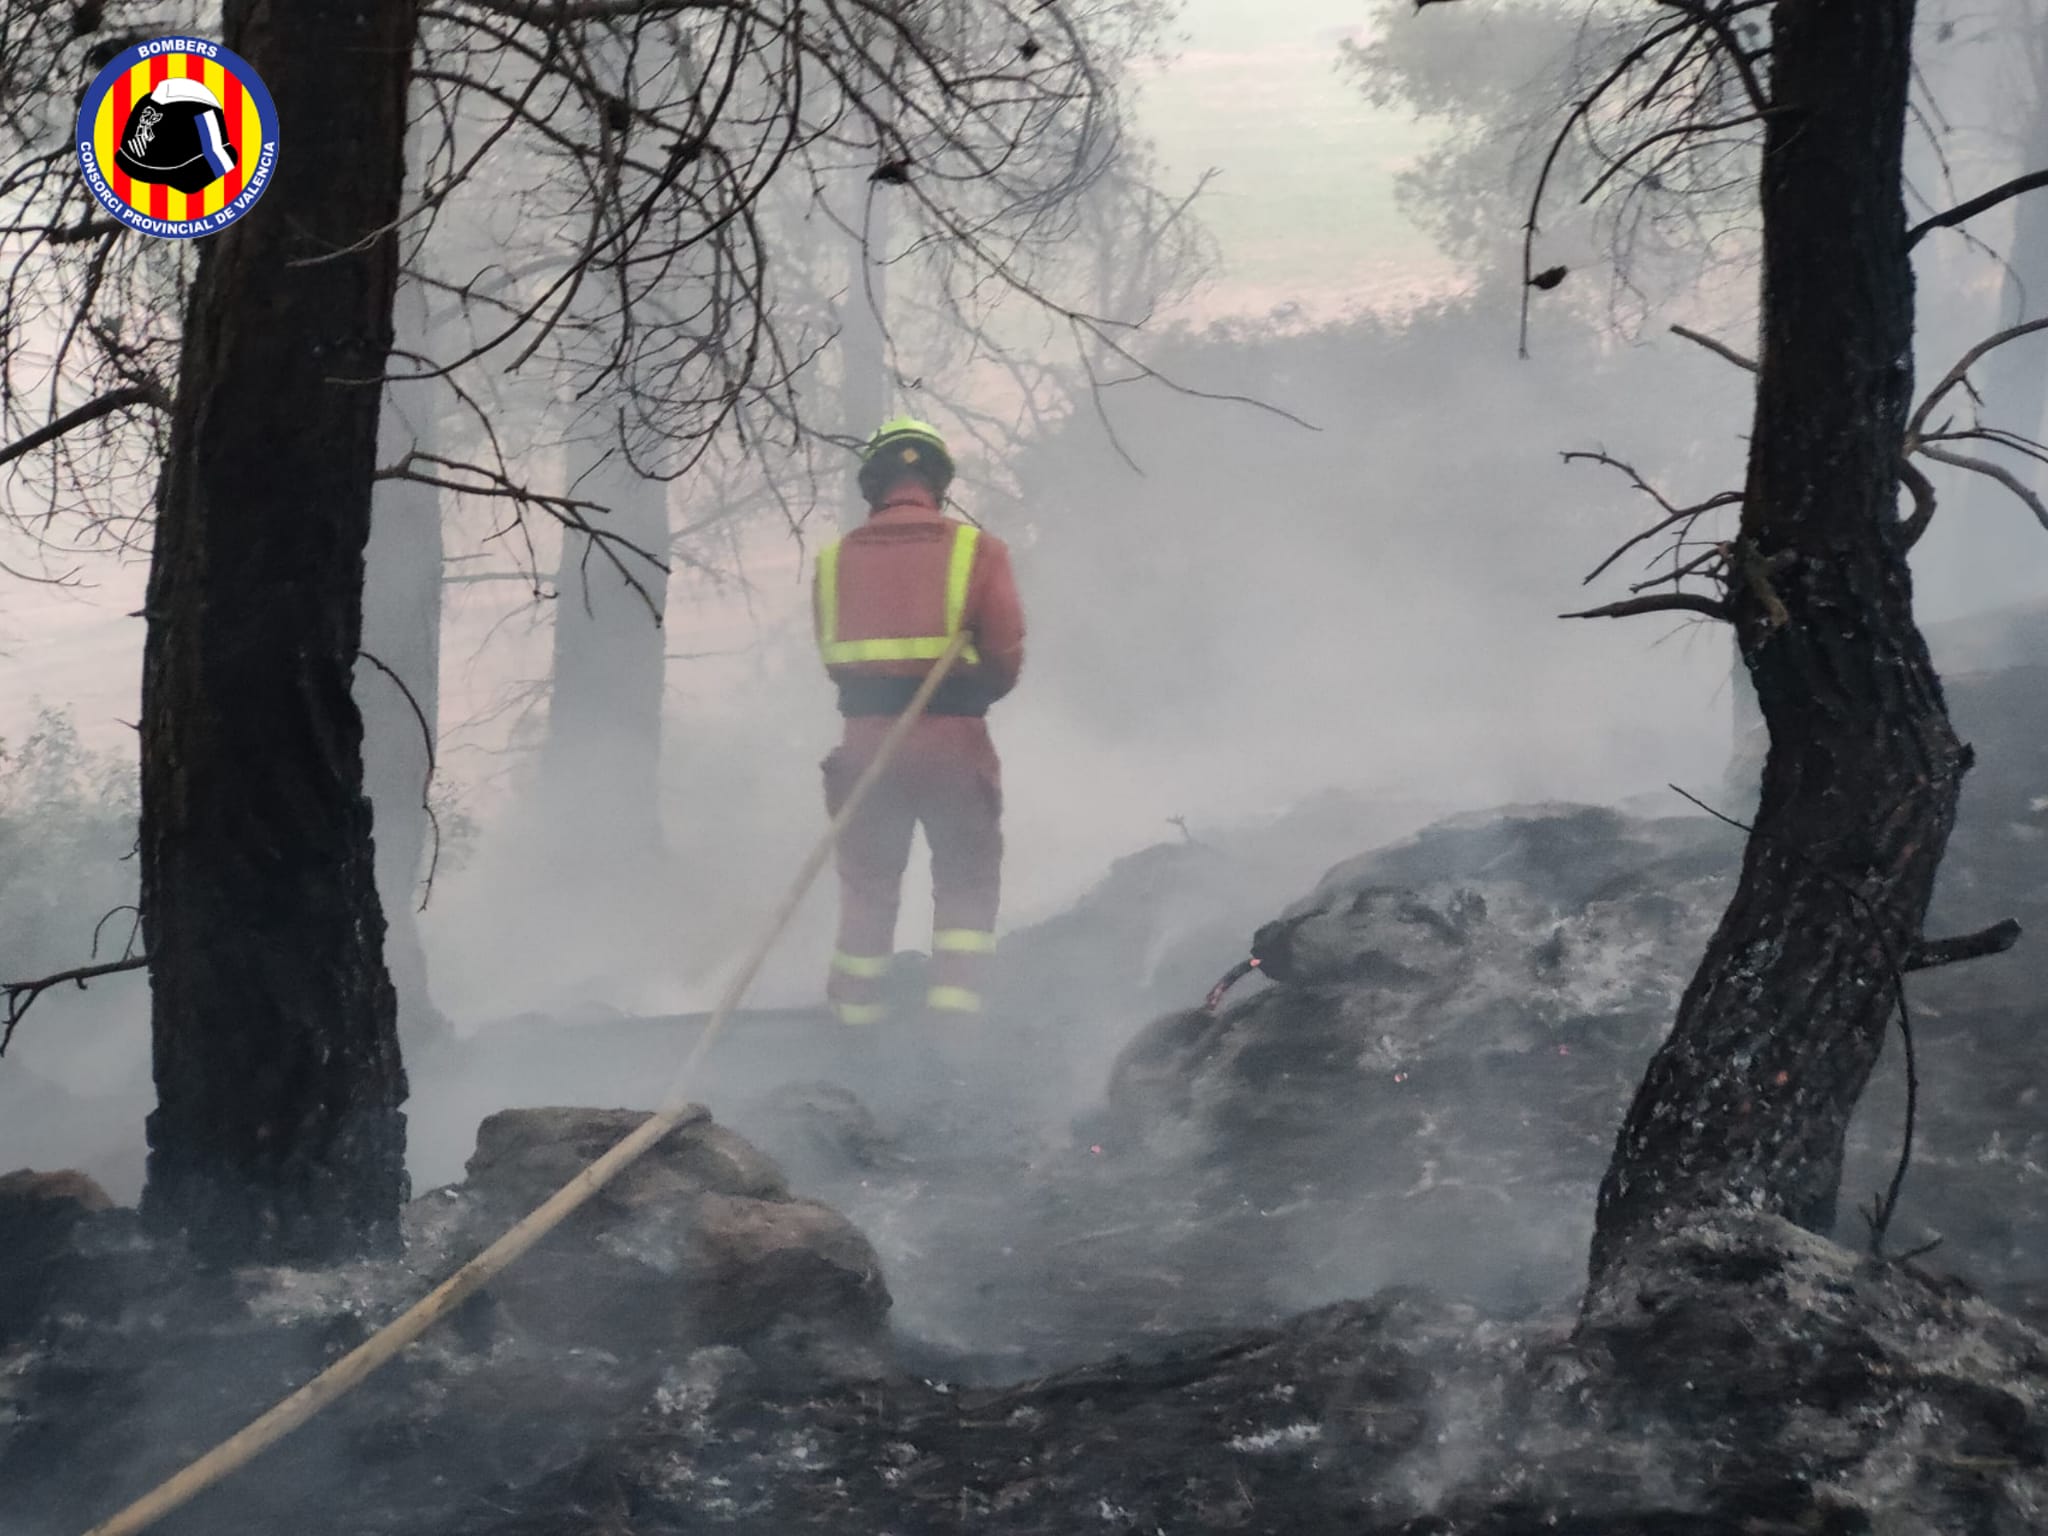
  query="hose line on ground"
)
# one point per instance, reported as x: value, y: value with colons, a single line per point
x: 353, y: 1368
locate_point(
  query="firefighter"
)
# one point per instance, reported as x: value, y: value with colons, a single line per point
x: 888, y: 599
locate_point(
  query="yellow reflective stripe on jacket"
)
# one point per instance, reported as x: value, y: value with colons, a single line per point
x: 963, y: 941
x: 966, y: 540
x: 860, y: 1013
x: 828, y: 595
x: 867, y: 966
x: 837, y: 652
x: 921, y: 649
x: 953, y: 1000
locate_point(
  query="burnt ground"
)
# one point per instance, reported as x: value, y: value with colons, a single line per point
x: 1741, y: 1378
x: 1132, y: 1308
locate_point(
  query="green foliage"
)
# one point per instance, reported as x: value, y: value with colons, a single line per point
x: 67, y: 836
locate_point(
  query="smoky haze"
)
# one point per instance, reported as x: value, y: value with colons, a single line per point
x: 1344, y: 583
x: 1259, y: 611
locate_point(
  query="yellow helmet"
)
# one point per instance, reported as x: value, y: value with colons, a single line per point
x: 904, y: 446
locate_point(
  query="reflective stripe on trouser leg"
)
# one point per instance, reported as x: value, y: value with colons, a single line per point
x: 962, y: 819
x: 958, y: 979
x: 959, y: 963
x: 873, y: 849
x: 855, y: 987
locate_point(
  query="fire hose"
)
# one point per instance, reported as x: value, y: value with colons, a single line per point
x: 353, y: 1368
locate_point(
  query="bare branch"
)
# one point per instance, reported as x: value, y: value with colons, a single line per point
x: 1673, y: 515
x: 1622, y: 161
x: 1581, y: 109
x: 1922, y: 491
x: 1663, y: 602
x: 427, y: 784
x: 1998, y: 472
x: 112, y: 401
x: 1711, y: 555
x: 18, y: 995
x: 1998, y: 437
x: 1960, y: 373
x: 1718, y: 17
x: 1995, y: 940
x: 1983, y: 202
x: 1718, y: 348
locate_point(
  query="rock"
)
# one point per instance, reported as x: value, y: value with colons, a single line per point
x: 699, y: 1242
x: 755, y: 1262
x: 1451, y: 1028
x: 1520, y: 932
x: 41, y: 1264
x: 524, y: 1155
x: 26, y: 1188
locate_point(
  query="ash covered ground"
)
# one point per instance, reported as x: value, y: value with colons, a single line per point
x: 1312, y: 1263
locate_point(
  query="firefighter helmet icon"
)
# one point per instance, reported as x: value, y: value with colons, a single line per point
x: 176, y: 137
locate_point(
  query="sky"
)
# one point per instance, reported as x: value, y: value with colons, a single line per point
x: 1302, y: 203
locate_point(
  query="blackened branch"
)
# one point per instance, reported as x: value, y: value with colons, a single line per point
x: 1962, y: 212
x: 1921, y: 489
x: 1959, y: 375
x: 1718, y: 348
x: 1995, y: 940
x: 18, y: 995
x: 1663, y: 602
x: 112, y: 401
x: 1991, y: 471
x: 1674, y: 515
x: 426, y: 787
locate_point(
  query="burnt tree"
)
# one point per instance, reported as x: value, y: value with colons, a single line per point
x: 1747, y: 1103
x: 278, y: 1132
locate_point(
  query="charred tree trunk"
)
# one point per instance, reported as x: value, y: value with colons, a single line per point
x: 277, y: 1133
x: 1748, y: 1101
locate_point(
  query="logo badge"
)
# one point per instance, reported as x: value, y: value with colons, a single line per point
x: 177, y: 138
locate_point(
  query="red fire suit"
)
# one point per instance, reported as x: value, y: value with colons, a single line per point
x: 887, y: 599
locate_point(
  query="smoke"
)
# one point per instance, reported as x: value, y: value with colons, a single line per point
x: 1339, y: 589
